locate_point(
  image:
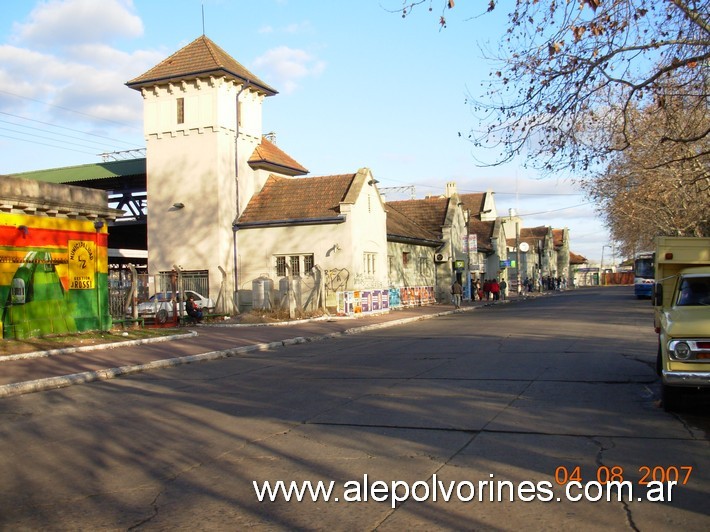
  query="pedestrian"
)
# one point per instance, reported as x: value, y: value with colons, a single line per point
x: 503, y: 289
x: 487, y: 289
x: 457, y: 291
x: 495, y: 289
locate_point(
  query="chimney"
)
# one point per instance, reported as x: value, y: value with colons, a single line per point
x: 450, y: 189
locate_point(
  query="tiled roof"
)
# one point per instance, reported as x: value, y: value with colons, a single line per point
x: 483, y: 232
x: 268, y: 154
x: 303, y: 198
x: 558, y: 237
x: 474, y: 203
x: 577, y: 259
x: 200, y: 58
x: 537, y: 232
x: 429, y: 213
x: 533, y: 235
x: 399, y: 226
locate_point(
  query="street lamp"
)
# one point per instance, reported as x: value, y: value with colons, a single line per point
x: 601, y: 265
x: 467, y: 249
x: 98, y: 225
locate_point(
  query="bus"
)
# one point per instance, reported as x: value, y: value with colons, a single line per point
x: 643, y: 275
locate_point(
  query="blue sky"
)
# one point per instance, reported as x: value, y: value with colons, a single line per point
x: 358, y: 87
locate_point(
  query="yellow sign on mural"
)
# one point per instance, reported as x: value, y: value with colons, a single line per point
x: 82, y: 264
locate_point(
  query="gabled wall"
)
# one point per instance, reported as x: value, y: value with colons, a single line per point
x: 338, y: 248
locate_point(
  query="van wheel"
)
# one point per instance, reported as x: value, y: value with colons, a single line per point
x: 672, y: 398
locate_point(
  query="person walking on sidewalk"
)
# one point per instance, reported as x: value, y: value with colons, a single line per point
x: 457, y: 291
x: 495, y: 289
x: 503, y: 289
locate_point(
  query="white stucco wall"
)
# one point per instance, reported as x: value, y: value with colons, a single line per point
x: 193, y: 163
x: 364, y: 230
x: 414, y: 274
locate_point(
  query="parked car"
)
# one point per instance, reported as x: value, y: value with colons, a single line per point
x: 160, y: 305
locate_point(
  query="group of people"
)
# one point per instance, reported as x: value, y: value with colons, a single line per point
x: 489, y: 289
x: 545, y: 283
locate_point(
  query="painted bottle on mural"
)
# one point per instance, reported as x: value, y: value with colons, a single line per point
x: 37, y: 302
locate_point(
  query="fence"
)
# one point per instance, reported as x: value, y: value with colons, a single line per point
x: 155, y: 299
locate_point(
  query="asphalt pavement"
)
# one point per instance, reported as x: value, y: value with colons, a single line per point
x: 45, y: 370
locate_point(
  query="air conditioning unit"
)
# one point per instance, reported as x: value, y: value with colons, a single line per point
x: 440, y: 257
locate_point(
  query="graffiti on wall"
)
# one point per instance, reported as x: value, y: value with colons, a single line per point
x: 53, y: 272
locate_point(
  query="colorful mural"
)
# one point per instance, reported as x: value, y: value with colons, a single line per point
x: 53, y: 276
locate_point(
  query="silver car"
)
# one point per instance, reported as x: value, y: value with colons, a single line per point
x: 161, y: 305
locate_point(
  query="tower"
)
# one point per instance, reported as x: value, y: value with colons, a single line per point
x: 202, y: 120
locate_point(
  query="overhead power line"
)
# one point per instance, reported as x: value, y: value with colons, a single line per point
x: 62, y: 127
x: 94, y: 117
x: 45, y: 144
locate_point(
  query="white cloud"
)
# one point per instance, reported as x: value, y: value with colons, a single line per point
x: 60, y: 23
x: 288, y: 66
x: 60, y: 68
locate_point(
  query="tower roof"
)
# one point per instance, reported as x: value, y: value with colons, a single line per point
x: 200, y: 58
x: 269, y: 156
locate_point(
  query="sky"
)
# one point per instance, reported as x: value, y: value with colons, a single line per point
x: 359, y: 86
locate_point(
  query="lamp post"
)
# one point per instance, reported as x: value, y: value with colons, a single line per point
x: 467, y: 248
x: 601, y: 265
x: 540, y: 247
x: 517, y: 256
x: 98, y: 224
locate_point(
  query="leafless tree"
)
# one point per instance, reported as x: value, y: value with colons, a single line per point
x: 655, y: 187
x: 569, y: 74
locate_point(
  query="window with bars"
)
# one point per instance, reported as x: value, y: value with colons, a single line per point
x: 369, y: 260
x: 295, y: 265
x: 181, y: 110
x: 298, y: 264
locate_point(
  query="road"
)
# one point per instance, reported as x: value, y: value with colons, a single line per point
x: 521, y: 396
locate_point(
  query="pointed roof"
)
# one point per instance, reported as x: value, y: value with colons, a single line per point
x: 304, y: 199
x: 483, y: 232
x: 534, y: 235
x: 201, y: 58
x: 269, y: 156
x: 429, y: 213
x: 474, y: 202
x: 558, y: 237
x: 400, y: 228
x: 577, y: 259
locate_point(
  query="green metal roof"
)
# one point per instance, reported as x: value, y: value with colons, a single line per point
x: 87, y: 172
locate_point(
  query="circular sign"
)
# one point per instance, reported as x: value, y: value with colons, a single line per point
x: 524, y: 247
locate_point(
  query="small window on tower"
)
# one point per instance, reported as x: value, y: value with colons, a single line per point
x: 181, y: 110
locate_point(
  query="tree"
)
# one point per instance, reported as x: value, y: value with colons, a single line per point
x: 569, y: 74
x: 655, y: 187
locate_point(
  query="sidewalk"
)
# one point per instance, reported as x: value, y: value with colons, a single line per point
x: 38, y: 371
